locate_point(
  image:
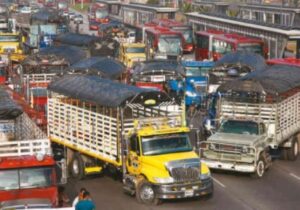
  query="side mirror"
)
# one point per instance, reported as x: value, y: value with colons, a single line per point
x: 208, y: 124
x: 125, y: 152
x: 138, y: 152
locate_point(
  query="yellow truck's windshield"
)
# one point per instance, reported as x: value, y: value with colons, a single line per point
x: 135, y: 50
x: 165, y: 144
x: 9, y: 38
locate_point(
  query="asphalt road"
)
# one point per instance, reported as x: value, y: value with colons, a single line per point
x: 278, y: 189
x: 84, y: 27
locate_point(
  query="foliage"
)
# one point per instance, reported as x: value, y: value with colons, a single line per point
x: 233, y: 10
x: 153, y: 2
x: 78, y: 7
x: 186, y: 7
x: 205, y: 9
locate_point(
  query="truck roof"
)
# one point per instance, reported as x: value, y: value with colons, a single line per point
x: 198, y: 63
x: 126, y: 44
x: 229, y: 37
x: 162, y: 30
x: 25, y: 162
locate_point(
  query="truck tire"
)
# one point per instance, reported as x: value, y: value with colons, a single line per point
x: 293, y: 152
x: 145, y: 193
x: 260, y: 168
x: 77, y: 166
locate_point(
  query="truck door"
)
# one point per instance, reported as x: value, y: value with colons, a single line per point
x: 121, y: 54
x: 133, y: 160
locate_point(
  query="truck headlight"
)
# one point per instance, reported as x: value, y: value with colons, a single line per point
x: 205, y: 176
x: 190, y: 94
x: 165, y: 180
x: 245, y: 149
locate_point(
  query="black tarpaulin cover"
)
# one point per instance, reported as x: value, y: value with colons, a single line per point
x: 255, y: 61
x: 46, y: 15
x: 158, y: 65
x: 8, y: 108
x: 56, y: 55
x: 76, y: 39
x: 273, y: 80
x: 106, y: 67
x: 101, y: 91
x: 96, y: 45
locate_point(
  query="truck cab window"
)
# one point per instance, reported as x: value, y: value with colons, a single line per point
x: 262, y: 128
x: 134, y: 146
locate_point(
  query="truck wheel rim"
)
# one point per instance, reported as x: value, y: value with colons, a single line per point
x: 260, y: 168
x: 296, y: 148
x: 75, y: 167
x: 147, y: 193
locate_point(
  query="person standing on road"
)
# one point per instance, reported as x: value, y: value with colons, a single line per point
x: 86, y: 203
x: 79, y: 196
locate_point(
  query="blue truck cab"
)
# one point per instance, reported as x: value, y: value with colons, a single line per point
x: 196, y: 81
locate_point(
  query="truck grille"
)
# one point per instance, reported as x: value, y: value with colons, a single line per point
x: 9, y: 50
x: 227, y: 148
x: 185, y: 174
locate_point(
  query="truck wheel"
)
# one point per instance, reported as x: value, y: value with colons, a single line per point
x: 260, y: 168
x: 146, y: 194
x: 292, y: 153
x: 77, y: 166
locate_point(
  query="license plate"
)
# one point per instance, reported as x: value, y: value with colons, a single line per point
x: 188, y: 193
x: 160, y: 78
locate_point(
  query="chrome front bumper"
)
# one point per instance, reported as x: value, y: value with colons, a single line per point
x: 230, y: 166
x: 196, y: 189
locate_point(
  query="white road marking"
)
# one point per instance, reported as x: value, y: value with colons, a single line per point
x: 295, y: 176
x: 218, y: 182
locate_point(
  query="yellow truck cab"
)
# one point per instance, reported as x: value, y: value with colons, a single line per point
x: 135, y: 131
x: 131, y: 53
x: 11, y: 46
x: 163, y: 164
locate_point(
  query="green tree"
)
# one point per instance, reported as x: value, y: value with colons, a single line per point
x: 153, y: 2
x: 186, y: 7
x: 233, y: 10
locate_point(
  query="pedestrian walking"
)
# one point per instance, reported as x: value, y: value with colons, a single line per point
x: 86, y: 203
x: 79, y: 196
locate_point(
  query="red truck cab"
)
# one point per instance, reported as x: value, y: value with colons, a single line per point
x: 285, y: 61
x: 28, y: 179
x: 163, y: 43
x: 214, y: 44
x: 184, y: 29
